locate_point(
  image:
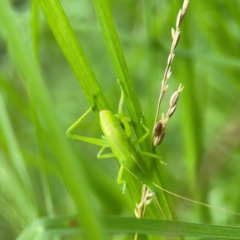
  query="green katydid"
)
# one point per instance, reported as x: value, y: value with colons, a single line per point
x: 117, y: 132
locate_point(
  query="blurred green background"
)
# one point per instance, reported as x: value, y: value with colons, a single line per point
x: 201, y: 146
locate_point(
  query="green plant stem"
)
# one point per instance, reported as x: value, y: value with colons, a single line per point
x: 122, y: 225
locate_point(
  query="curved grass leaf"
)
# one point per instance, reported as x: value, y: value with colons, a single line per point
x: 61, y: 226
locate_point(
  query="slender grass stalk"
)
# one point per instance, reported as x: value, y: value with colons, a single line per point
x: 35, y: 36
x: 191, y: 119
x: 159, y: 127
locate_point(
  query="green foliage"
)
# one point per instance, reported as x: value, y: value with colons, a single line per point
x: 44, y: 174
x: 122, y: 225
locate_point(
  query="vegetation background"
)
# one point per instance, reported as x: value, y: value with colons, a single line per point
x: 201, y: 146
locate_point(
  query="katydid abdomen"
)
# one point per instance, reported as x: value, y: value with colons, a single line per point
x: 123, y: 148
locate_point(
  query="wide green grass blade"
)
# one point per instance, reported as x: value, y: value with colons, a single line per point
x: 64, y: 226
x: 28, y: 69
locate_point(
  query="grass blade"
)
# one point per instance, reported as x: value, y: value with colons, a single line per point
x: 121, y: 225
x: 74, y: 54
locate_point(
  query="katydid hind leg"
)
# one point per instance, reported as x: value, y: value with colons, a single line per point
x: 96, y: 141
x: 78, y: 122
x: 152, y: 155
